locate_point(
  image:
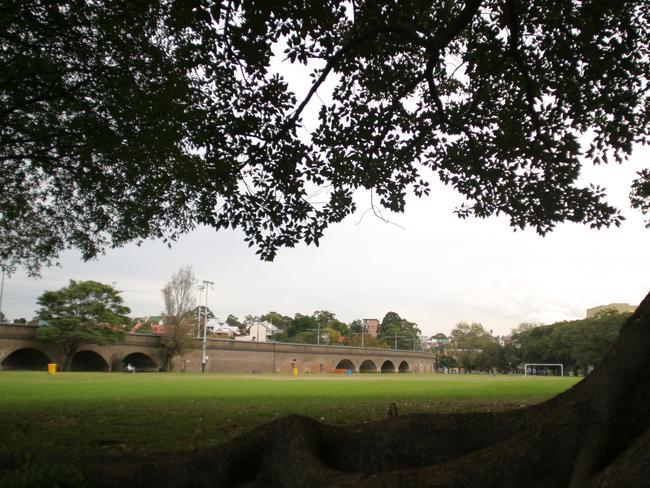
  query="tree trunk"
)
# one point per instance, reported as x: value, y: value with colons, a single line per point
x: 594, y: 435
x: 69, y: 352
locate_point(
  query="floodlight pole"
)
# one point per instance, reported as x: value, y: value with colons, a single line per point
x: 198, y: 328
x: 204, y: 359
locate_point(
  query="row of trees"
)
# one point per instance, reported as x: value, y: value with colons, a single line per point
x: 323, y: 327
x: 579, y: 344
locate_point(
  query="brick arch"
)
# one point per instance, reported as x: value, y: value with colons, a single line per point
x: 140, y: 361
x: 346, y: 364
x: 368, y: 366
x: 88, y: 360
x: 404, y: 367
x: 26, y: 358
x: 388, y: 367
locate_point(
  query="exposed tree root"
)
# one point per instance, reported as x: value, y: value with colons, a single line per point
x: 594, y: 435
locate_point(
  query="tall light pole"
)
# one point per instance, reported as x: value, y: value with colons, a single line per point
x: 207, y: 284
x: 198, y: 328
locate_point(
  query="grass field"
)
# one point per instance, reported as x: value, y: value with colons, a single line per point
x: 111, y: 412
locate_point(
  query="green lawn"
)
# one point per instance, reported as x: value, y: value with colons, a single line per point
x: 118, y: 412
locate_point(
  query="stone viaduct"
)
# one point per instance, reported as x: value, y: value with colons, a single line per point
x: 20, y: 350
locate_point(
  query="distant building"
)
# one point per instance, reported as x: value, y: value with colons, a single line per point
x: 371, y: 326
x: 619, y: 307
x: 217, y: 328
x: 260, y: 332
x: 438, y: 340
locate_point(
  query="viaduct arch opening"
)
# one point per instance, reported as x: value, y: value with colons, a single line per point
x: 346, y: 364
x: 26, y: 358
x: 388, y: 367
x: 368, y: 367
x: 88, y: 361
x: 404, y: 367
x: 140, y: 361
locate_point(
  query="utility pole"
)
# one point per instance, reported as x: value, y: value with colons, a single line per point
x: 207, y: 284
x: 198, y: 327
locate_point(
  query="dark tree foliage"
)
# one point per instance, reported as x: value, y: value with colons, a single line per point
x: 398, y: 333
x: 278, y: 320
x: 578, y: 344
x: 122, y: 121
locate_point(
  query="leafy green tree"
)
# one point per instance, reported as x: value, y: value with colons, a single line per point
x: 20, y: 321
x: 233, y: 321
x: 84, y: 312
x: 278, y: 320
x: 470, y: 336
x: 331, y: 335
x: 302, y: 328
x: 446, y: 361
x: 179, y: 319
x: 332, y: 328
x: 368, y: 341
x: 492, y: 357
x: 469, y: 341
x: 398, y: 332
x: 390, y: 319
x: 304, y: 337
x: 578, y: 344
x: 355, y: 326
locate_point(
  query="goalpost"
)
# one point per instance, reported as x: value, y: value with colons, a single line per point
x: 532, y: 365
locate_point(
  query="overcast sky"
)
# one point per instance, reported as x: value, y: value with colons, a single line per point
x: 435, y: 269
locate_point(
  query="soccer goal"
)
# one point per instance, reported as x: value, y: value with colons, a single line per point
x: 535, y: 369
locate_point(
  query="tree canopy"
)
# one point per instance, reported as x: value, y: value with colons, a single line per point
x: 398, y: 332
x: 579, y: 345
x: 84, y: 312
x: 121, y: 121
